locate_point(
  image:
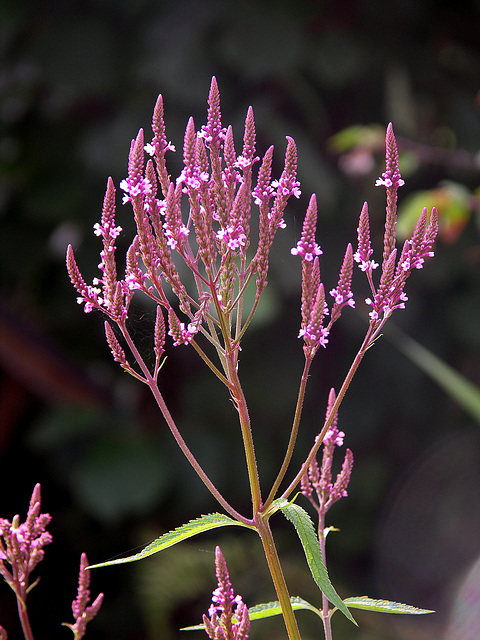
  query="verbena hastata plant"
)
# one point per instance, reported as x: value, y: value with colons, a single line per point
x: 202, y: 218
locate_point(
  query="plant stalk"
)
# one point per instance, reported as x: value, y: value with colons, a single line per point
x: 241, y: 406
x: 293, y: 434
x: 366, y: 344
x: 24, y: 619
x: 278, y: 578
x: 176, y: 433
x: 327, y: 622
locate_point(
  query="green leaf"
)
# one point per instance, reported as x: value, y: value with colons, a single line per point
x: 453, y: 201
x: 306, y: 532
x: 267, y: 610
x: 192, y: 528
x: 369, y: 137
x: 460, y: 389
x: 383, y: 606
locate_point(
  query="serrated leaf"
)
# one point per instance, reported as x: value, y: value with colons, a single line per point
x: 384, y: 606
x: 267, y: 610
x: 306, y: 532
x: 188, y: 530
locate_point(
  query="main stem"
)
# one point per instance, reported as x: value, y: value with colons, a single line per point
x: 278, y: 578
x: 241, y: 406
x: 260, y: 520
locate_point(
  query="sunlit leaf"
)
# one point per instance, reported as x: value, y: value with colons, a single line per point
x: 453, y: 202
x: 383, y: 606
x: 267, y: 610
x: 371, y: 137
x: 188, y: 530
x: 306, y: 532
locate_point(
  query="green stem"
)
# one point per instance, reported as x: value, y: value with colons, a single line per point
x: 278, y: 578
x: 210, y: 364
x: 176, y: 433
x: 366, y: 344
x: 241, y: 406
x: 293, y: 434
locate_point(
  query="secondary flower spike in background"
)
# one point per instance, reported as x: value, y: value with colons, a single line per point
x: 22, y: 545
x: 82, y: 612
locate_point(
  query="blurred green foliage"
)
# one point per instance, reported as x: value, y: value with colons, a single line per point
x: 77, y: 80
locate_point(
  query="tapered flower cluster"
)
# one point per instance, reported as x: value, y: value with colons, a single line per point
x: 228, y: 617
x: 22, y: 546
x: 314, y: 330
x: 82, y: 612
x: 218, y: 189
x: 319, y: 479
x: 390, y: 295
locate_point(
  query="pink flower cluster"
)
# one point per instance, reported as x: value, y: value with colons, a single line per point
x: 228, y: 617
x: 320, y: 478
x: 220, y: 187
x: 22, y: 545
x: 82, y: 611
x: 314, y: 307
x: 21, y: 549
x: 390, y: 295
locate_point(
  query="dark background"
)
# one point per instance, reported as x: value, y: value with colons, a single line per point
x: 77, y: 80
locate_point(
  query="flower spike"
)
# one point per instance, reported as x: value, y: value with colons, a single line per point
x: 343, y: 295
x: 228, y: 617
x: 391, y: 180
x: 306, y: 247
x: 80, y: 609
x: 320, y: 479
x: 390, y: 293
x: 22, y: 546
x: 364, y: 251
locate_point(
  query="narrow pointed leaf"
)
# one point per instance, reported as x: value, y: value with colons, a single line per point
x: 464, y: 392
x: 267, y: 610
x: 306, y: 532
x: 188, y: 530
x: 383, y: 606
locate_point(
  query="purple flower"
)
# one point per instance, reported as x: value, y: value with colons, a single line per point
x: 228, y: 617
x: 391, y: 178
x: 22, y: 545
x: 390, y: 295
x: 320, y: 478
x: 342, y: 294
x: 216, y: 190
x: 364, y: 251
x: 180, y: 333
